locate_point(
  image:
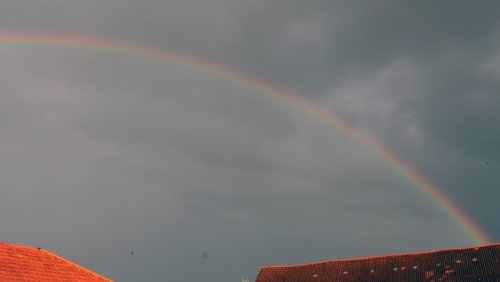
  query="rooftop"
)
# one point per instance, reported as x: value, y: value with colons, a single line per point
x: 22, y: 263
x: 481, y: 263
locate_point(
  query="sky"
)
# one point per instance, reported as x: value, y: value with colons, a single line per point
x: 205, y: 178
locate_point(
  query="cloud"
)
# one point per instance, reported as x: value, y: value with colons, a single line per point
x: 104, y: 152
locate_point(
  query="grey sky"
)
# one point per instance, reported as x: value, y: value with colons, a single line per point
x: 103, y: 153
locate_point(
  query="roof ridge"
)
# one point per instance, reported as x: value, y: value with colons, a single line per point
x: 17, y: 245
x: 374, y: 257
x: 74, y: 264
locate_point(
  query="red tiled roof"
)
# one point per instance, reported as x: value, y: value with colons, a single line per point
x: 469, y: 264
x: 21, y: 263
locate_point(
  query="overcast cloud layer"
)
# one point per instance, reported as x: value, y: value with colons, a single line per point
x: 103, y: 153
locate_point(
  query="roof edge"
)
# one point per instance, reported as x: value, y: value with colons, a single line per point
x: 75, y: 265
x: 374, y: 257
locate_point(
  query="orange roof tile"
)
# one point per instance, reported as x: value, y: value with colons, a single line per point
x: 480, y: 263
x: 21, y: 263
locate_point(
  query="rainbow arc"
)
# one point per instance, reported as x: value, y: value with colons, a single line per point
x: 459, y: 217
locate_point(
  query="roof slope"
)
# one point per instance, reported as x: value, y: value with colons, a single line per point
x: 21, y: 263
x: 470, y: 264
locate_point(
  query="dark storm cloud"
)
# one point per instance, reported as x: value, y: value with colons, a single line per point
x: 104, y: 153
x: 439, y: 95
x: 461, y: 110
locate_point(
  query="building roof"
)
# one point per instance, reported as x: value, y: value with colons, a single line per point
x: 481, y: 263
x: 21, y: 263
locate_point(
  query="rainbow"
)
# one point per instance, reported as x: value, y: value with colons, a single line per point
x: 464, y: 222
